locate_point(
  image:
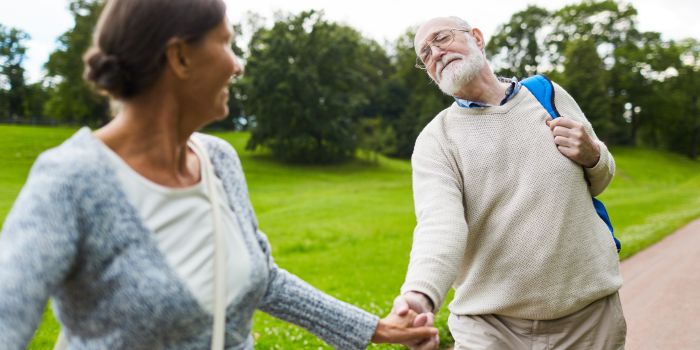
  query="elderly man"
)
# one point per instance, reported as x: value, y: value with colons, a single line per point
x: 504, y: 214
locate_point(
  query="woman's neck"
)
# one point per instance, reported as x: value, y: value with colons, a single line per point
x: 151, y: 136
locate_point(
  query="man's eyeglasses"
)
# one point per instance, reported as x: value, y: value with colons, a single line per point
x: 442, y: 40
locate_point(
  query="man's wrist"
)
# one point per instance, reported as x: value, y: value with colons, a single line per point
x: 593, y: 163
x: 596, y: 158
x: 423, y: 299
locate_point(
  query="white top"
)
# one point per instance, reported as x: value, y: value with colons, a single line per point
x: 182, y: 221
x: 506, y: 219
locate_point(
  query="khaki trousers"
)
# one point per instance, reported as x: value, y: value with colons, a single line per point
x: 599, y: 326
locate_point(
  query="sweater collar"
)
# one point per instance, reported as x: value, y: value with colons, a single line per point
x: 511, y: 91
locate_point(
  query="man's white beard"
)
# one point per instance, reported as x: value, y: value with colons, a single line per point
x: 459, y: 73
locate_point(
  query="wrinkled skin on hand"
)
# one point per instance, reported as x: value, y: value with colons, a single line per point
x: 574, y: 142
x: 409, y: 329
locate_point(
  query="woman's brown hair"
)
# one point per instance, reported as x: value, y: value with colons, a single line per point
x: 128, y: 51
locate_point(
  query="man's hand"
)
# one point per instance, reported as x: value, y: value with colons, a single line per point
x: 415, y: 302
x: 573, y: 141
x: 410, y: 329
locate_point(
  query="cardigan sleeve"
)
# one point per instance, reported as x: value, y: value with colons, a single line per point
x: 341, y: 325
x: 289, y: 298
x: 38, y: 243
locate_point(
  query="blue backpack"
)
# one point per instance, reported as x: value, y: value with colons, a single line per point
x: 541, y: 87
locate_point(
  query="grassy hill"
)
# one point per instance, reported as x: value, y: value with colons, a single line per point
x: 347, y: 228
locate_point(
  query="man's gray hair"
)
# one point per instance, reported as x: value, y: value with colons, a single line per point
x: 460, y: 23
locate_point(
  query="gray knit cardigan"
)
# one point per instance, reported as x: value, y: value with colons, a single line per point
x: 73, y: 236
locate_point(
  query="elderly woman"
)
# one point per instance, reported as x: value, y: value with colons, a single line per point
x: 142, y: 232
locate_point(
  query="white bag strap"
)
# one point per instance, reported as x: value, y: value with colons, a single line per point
x: 61, y: 342
x: 208, y: 175
x: 217, y: 342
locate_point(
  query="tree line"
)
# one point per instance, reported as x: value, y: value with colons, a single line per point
x: 316, y: 91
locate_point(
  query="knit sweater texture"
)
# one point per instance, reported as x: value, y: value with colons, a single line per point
x: 72, y: 235
x: 506, y: 219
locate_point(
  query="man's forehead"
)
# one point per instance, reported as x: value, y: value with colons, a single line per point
x: 431, y: 27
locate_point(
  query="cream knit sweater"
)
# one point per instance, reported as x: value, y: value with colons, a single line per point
x: 505, y: 218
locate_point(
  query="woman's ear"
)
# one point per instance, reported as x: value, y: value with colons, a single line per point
x: 177, y: 56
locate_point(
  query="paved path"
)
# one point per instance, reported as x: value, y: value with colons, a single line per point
x: 661, y: 293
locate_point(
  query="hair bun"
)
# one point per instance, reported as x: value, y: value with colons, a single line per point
x: 105, y: 72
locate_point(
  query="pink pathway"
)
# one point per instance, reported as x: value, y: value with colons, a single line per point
x: 661, y: 293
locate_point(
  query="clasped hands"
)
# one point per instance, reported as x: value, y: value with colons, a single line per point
x: 411, y: 323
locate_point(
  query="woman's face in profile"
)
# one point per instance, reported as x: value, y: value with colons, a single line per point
x: 213, y: 65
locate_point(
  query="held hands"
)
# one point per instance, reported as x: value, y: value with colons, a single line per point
x: 415, y: 303
x: 410, y: 329
x: 573, y: 141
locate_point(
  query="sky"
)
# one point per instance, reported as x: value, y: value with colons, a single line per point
x: 382, y: 20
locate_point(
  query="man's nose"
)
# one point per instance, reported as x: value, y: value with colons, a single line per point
x: 437, y: 52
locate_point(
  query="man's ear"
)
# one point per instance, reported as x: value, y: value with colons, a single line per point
x: 479, y: 37
x: 177, y: 57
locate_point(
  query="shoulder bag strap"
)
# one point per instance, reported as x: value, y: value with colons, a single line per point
x: 217, y: 342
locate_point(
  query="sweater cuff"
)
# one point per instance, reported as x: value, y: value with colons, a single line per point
x: 364, y: 330
x: 603, y: 164
x: 426, y: 288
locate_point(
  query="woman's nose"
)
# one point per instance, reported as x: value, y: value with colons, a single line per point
x: 238, y: 68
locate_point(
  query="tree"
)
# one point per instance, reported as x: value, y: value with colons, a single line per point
x: 610, y: 25
x: 238, y: 117
x: 374, y: 138
x: 410, y: 97
x: 12, y: 82
x: 307, y: 89
x: 607, y: 23
x: 71, y: 98
x: 681, y: 92
x: 35, y: 98
x: 638, y: 72
x: 690, y: 73
x: 517, y: 49
x: 585, y: 78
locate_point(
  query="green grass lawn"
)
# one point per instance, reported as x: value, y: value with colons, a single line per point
x: 347, y: 228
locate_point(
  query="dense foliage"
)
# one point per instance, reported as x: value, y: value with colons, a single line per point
x: 316, y: 91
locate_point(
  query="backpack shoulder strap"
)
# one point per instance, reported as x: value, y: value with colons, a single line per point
x: 543, y: 89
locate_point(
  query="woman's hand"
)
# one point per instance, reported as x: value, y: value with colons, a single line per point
x: 409, y: 330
